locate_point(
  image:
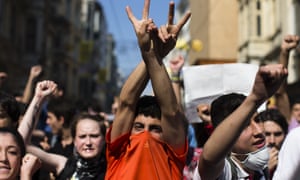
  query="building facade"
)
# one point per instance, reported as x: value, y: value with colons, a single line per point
x: 97, y: 56
x: 213, y: 27
x: 246, y: 31
x: 68, y: 38
x: 39, y: 32
x: 262, y: 26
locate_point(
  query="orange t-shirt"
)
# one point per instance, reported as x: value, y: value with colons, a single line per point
x: 142, y: 157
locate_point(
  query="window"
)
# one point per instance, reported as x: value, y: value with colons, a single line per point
x: 258, y: 18
x: 258, y: 25
x: 258, y: 5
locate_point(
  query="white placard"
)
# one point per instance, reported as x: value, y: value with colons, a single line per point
x: 204, y: 83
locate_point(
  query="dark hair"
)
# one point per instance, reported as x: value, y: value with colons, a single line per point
x: 148, y: 106
x: 9, y: 107
x: 81, y: 116
x: 94, y: 105
x: 224, y: 105
x: 294, y: 101
x: 22, y: 107
x: 17, y: 137
x: 275, y: 116
x: 62, y: 107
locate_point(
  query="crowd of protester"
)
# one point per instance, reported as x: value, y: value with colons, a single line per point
x: 44, y: 135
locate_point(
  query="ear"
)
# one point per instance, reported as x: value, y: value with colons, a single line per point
x: 61, y: 120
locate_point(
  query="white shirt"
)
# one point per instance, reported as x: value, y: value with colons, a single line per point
x: 226, y: 173
x: 288, y: 167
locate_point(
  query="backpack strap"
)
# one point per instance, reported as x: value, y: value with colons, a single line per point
x: 233, y: 167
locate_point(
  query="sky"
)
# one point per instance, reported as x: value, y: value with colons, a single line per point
x: 119, y: 26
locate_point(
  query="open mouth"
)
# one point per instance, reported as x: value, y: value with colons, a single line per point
x: 88, y: 149
x: 261, y: 143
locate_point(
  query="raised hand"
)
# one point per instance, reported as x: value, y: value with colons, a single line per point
x: 168, y: 33
x: 143, y: 27
x: 176, y: 64
x: 35, y: 71
x: 45, y: 88
x: 203, y: 111
x: 289, y: 42
x: 267, y: 81
x: 30, y: 165
x: 163, y: 40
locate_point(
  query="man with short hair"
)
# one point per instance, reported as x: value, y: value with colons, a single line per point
x: 148, y: 136
x: 275, y: 129
x: 236, y: 149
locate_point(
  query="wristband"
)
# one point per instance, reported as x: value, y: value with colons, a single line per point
x: 175, y: 78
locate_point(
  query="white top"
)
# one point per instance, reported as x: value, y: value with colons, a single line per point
x: 226, y: 173
x: 288, y: 167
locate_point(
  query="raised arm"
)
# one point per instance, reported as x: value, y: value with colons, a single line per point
x: 35, y: 71
x: 176, y: 65
x: 53, y: 163
x: 154, y: 47
x: 42, y: 91
x: 173, y: 120
x: 219, y: 145
x: 136, y: 82
x: 130, y: 93
x: 289, y: 43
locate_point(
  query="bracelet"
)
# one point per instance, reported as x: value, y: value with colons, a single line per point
x: 175, y: 79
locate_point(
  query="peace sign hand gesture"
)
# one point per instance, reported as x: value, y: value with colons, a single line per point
x: 143, y: 27
x: 168, y: 33
x: 164, y: 39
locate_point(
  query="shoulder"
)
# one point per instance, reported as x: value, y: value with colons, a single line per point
x: 289, y: 142
x: 225, y: 174
x: 294, y: 133
x: 68, y: 170
x: 289, y: 157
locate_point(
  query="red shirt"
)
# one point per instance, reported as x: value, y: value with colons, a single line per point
x: 142, y: 157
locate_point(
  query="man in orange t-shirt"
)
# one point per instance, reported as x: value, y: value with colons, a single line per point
x: 148, y: 137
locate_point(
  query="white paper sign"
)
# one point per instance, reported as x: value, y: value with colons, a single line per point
x: 204, y: 83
